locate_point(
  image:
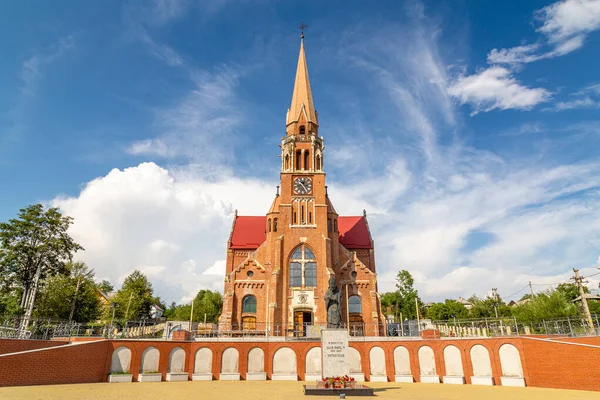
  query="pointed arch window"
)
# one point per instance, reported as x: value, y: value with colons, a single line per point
x: 286, y: 164
x: 303, y: 268
x: 269, y: 225
x: 249, y: 304
x: 275, y: 220
x: 302, y: 130
x: 318, y: 166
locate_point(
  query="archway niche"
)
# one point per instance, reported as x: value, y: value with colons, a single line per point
x: 149, y: 366
x: 256, y: 365
x: 230, y: 361
x: 453, y: 365
x: 284, y: 365
x: 177, y: 365
x: 121, y: 360
x: 313, y: 364
x: 512, y: 369
x: 203, y: 365
x: 427, y: 367
x: 482, y: 366
x: 355, y: 365
x: 402, y: 372
x: 377, y: 361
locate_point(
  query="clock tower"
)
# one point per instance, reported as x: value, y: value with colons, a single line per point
x: 278, y: 266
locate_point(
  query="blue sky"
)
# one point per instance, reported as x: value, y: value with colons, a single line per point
x: 469, y: 131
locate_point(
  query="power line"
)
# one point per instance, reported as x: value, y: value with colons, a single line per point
x: 518, y: 291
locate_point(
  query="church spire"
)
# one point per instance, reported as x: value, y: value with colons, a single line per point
x: 302, y: 101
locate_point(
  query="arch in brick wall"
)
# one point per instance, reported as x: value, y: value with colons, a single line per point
x: 203, y: 361
x: 402, y: 361
x: 377, y: 361
x: 313, y: 361
x: 427, y: 365
x: 150, y: 358
x: 230, y: 361
x: 355, y: 361
x: 177, y: 360
x: 480, y: 360
x: 121, y: 359
x: 453, y: 361
x: 256, y: 360
x: 284, y: 361
x: 510, y: 360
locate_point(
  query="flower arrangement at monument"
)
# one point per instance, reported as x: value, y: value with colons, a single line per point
x: 338, y: 382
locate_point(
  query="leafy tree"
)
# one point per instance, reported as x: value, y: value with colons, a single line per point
x: 447, y: 310
x: 594, y: 307
x: 134, y: 299
x: 106, y: 286
x: 546, y: 305
x: 209, y: 303
x: 484, y: 308
x: 402, y: 301
x: 570, y: 291
x: 33, y: 246
x: 71, y: 295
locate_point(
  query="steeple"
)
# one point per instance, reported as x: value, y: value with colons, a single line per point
x: 302, y: 101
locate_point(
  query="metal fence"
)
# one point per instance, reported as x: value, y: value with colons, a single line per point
x: 161, y: 328
x: 510, y: 326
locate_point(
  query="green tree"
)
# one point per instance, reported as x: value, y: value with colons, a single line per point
x: 33, y: 246
x: 209, y: 303
x: 447, y: 310
x: 134, y: 299
x: 402, y: 301
x: 545, y: 305
x: 106, y: 286
x: 70, y: 295
x: 570, y: 291
x: 484, y: 308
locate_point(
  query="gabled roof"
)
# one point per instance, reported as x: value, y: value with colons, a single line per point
x: 249, y: 232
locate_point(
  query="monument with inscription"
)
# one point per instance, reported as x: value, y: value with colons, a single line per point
x: 334, y: 352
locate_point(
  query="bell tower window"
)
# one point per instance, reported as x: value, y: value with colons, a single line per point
x: 306, y: 160
x: 298, y: 159
x: 302, y: 130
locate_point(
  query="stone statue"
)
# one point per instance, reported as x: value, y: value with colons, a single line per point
x: 332, y: 304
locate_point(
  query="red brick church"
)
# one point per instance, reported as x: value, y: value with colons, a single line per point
x: 278, y: 265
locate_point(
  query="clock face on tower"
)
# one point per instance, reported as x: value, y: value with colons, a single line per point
x: 302, y: 185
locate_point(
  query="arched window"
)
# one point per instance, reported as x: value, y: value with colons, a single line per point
x: 328, y: 225
x: 298, y: 159
x: 286, y: 164
x: 306, y: 160
x: 269, y: 225
x: 318, y: 163
x: 249, y: 304
x: 274, y: 224
x: 303, y: 268
x: 302, y: 130
x: 354, y: 305
x: 335, y: 225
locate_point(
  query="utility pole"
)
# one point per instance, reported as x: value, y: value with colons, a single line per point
x: 495, y: 296
x: 531, y: 289
x: 586, y: 310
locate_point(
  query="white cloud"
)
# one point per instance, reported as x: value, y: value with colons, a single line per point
x: 173, y: 226
x: 588, y: 97
x: 565, y: 26
x: 495, y: 88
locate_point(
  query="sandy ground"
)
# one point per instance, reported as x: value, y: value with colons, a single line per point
x: 222, y: 390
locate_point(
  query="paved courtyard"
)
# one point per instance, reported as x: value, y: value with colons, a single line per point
x: 278, y: 390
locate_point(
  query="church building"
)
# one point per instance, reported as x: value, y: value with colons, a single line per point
x: 279, y: 265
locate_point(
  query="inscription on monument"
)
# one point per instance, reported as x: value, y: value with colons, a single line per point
x: 334, y: 350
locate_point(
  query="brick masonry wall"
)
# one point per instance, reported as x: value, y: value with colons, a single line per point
x: 559, y: 363
x: 15, y: 345
x: 78, y: 363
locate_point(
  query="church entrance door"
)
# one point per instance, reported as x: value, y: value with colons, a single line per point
x: 302, y: 318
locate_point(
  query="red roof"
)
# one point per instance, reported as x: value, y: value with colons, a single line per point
x: 249, y: 232
x: 354, y: 232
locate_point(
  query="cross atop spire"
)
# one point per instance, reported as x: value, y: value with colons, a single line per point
x: 302, y: 101
x: 302, y: 27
